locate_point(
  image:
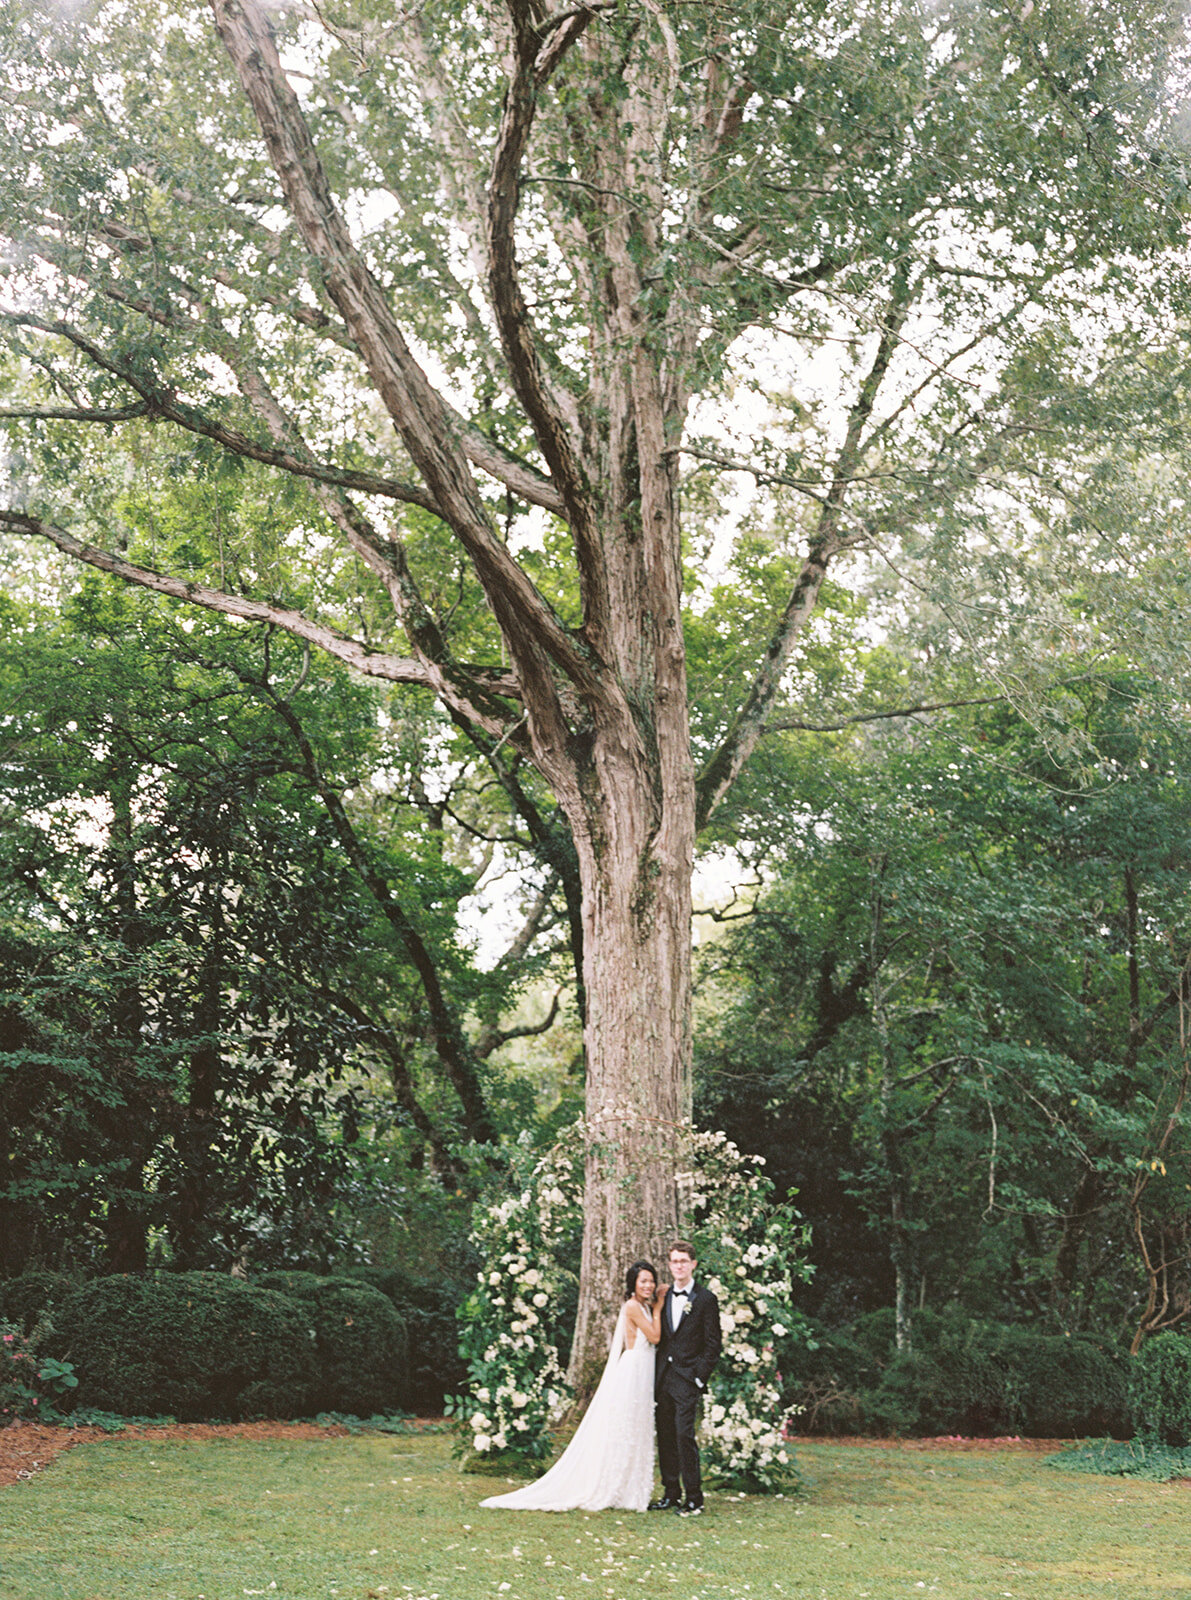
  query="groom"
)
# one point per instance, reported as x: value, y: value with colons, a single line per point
x: 687, y: 1350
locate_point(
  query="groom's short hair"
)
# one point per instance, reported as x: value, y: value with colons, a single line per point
x: 682, y: 1248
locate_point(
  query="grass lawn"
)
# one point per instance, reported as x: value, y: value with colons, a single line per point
x: 368, y: 1518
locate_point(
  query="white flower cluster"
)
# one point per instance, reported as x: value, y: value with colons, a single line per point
x: 517, y: 1384
x: 747, y: 1246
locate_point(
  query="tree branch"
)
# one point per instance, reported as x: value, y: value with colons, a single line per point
x: 492, y: 1039
x: 375, y: 663
x: 455, y: 686
x: 741, y: 739
x: 532, y: 630
x: 449, y: 1041
x: 160, y: 402
x: 553, y: 417
x: 140, y: 408
x: 385, y: 1040
x: 794, y: 726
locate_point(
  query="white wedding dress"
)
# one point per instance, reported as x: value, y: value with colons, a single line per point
x: 609, y: 1461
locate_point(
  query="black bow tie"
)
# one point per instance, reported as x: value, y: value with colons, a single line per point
x: 680, y: 1291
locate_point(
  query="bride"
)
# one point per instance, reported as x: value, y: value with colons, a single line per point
x: 609, y: 1461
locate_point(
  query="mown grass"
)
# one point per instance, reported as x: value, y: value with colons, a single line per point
x: 379, y: 1518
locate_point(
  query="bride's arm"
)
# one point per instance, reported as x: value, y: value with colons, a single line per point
x: 651, y: 1325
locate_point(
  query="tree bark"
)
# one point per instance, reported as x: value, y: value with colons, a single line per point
x: 636, y: 876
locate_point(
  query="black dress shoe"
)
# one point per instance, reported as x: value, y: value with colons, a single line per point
x: 664, y: 1504
x: 691, y: 1508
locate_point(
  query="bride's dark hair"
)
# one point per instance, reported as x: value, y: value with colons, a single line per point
x: 634, y: 1272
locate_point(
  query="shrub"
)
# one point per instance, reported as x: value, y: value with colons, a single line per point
x: 194, y: 1345
x: 31, y: 1382
x: 360, y: 1342
x: 1065, y: 1387
x: 960, y: 1377
x: 1160, y: 1389
x: 428, y: 1309
x: 26, y: 1299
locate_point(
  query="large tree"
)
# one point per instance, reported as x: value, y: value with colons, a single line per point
x: 474, y: 268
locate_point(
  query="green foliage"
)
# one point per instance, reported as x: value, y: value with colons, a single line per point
x: 1125, y: 1458
x: 360, y: 1341
x: 196, y: 1345
x: 32, y: 1295
x: 1160, y: 1390
x: 212, y: 1036
x: 31, y: 1381
x: 113, y: 1421
x: 429, y: 1310
x: 955, y: 1003
x: 961, y: 1377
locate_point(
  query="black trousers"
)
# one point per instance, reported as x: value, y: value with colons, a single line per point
x: 678, y: 1454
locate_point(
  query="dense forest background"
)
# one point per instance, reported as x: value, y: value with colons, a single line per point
x: 257, y: 1013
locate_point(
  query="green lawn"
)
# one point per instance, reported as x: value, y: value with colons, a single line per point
x: 365, y: 1518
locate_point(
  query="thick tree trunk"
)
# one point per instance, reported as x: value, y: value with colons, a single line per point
x: 635, y: 863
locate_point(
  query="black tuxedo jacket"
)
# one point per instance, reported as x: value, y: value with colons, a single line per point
x: 689, y: 1353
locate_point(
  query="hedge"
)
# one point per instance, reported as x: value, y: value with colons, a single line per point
x: 360, y: 1342
x: 960, y: 1377
x: 198, y: 1346
x: 1160, y: 1389
x: 26, y: 1299
x: 428, y: 1309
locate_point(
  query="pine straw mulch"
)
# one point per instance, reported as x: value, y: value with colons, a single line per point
x: 27, y: 1448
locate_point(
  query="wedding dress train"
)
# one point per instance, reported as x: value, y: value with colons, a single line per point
x: 609, y: 1461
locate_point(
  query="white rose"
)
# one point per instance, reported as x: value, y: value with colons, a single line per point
x: 727, y: 1323
x: 484, y: 1395
x: 533, y: 1276
x: 541, y: 1299
x: 779, y: 1330
x: 500, y: 1440
x: 482, y: 1442
x: 494, y: 1278
x: 718, y: 1413
x: 520, y: 1400
x: 479, y: 1420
